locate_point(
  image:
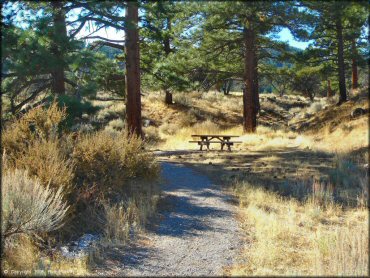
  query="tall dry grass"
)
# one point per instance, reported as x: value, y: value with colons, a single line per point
x: 286, y: 236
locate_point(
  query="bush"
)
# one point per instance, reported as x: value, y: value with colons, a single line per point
x: 182, y: 99
x: 107, y: 160
x: 45, y: 160
x: 315, y: 107
x: 151, y: 134
x: 195, y: 113
x: 83, y: 128
x: 168, y: 129
x: 28, y: 207
x: 40, y: 122
x: 111, y: 112
x: 116, y: 124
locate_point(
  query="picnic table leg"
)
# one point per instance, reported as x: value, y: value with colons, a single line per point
x: 207, y: 145
x: 229, y: 147
x: 222, y: 146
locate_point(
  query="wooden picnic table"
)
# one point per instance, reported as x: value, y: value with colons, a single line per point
x: 206, y: 140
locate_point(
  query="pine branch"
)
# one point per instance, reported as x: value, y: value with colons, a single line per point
x: 33, y: 95
x: 101, y: 38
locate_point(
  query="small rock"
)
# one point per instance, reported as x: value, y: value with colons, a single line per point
x: 210, y: 163
x: 146, y: 122
x: 179, y: 156
x: 357, y: 112
x: 64, y: 250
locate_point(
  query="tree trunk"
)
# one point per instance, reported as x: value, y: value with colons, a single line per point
x: 354, y: 65
x: 133, y: 100
x: 256, y: 85
x: 341, y: 73
x: 168, y: 98
x: 227, y: 87
x: 249, y: 101
x: 330, y: 93
x: 167, y: 51
x: 59, y: 40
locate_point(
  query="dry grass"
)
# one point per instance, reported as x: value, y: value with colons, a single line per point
x: 289, y: 237
x: 21, y: 255
x: 151, y: 134
x: 128, y: 217
x: 25, y: 259
x: 349, y: 136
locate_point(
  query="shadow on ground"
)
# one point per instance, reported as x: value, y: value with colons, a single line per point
x: 271, y: 169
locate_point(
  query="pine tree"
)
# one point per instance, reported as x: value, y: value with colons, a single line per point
x: 334, y: 26
x: 240, y: 32
x: 132, y: 48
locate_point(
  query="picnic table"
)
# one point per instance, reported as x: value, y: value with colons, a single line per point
x: 207, y: 139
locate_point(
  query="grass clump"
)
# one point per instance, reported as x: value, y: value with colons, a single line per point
x: 20, y: 255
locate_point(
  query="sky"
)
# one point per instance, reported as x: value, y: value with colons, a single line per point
x: 111, y: 33
x: 286, y: 36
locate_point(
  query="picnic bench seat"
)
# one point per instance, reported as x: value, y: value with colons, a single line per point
x: 206, y: 140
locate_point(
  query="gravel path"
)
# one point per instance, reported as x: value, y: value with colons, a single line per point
x: 197, y: 234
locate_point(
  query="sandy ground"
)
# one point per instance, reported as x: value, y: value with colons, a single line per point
x: 196, y: 233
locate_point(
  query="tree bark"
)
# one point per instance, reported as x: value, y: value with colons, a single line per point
x: 249, y: 99
x: 340, y: 58
x: 256, y: 85
x: 133, y: 100
x: 354, y: 65
x: 167, y: 51
x: 168, y: 97
x: 59, y: 39
x: 330, y: 93
x: 227, y: 87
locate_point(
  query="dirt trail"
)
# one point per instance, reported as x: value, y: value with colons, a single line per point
x: 197, y: 234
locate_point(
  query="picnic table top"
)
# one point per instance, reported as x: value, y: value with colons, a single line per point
x: 214, y: 135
